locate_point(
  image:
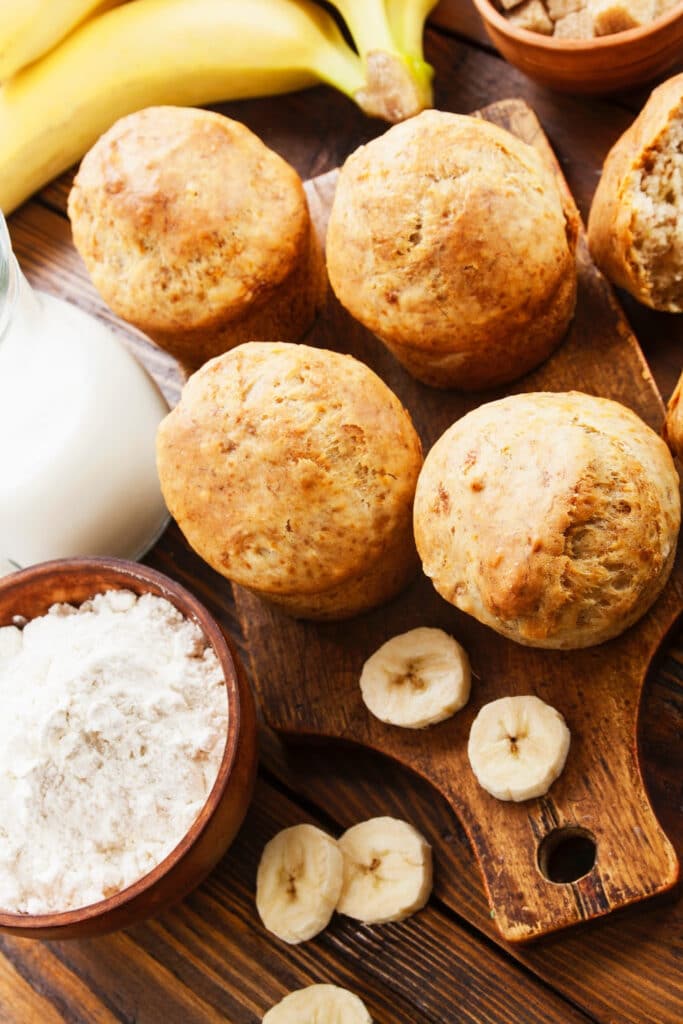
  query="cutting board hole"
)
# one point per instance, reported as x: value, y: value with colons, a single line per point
x: 567, y: 854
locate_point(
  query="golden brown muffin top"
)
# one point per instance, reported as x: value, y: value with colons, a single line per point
x: 184, y: 217
x: 445, y: 221
x: 552, y: 518
x: 288, y: 468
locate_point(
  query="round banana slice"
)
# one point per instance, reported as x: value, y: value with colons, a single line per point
x: 298, y: 882
x: 387, y: 871
x: 416, y: 679
x: 518, y: 747
x: 319, y: 1004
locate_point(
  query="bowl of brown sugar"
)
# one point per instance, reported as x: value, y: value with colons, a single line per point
x: 587, y: 46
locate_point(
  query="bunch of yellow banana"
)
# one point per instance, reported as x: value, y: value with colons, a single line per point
x: 70, y: 69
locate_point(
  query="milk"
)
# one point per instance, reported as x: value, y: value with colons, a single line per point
x: 78, y: 421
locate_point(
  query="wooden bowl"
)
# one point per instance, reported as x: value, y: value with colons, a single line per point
x: 589, y: 66
x: 30, y: 593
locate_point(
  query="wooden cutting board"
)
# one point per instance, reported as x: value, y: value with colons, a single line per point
x: 306, y: 674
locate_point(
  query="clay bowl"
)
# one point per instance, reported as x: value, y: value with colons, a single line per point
x: 30, y: 593
x: 589, y: 66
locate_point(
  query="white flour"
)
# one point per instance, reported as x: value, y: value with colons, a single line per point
x: 112, y: 731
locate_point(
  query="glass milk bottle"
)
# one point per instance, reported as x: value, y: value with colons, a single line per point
x: 78, y: 421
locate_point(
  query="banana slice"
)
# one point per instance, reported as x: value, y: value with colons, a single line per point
x: 518, y: 747
x: 387, y: 871
x: 319, y: 1004
x: 416, y: 679
x: 298, y: 882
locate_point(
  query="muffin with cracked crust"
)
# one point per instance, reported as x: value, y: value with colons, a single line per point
x: 292, y: 470
x: 450, y: 240
x: 635, y: 228
x: 552, y: 518
x: 197, y: 233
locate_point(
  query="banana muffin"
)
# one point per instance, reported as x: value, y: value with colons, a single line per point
x: 292, y: 470
x: 450, y: 240
x: 195, y: 232
x: 635, y: 228
x: 552, y: 518
x: 673, y: 424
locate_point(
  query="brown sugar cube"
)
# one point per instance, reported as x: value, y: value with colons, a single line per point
x: 533, y: 17
x: 561, y: 8
x: 611, y: 16
x: 578, y: 25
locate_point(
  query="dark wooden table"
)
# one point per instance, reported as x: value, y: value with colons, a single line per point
x: 209, y: 959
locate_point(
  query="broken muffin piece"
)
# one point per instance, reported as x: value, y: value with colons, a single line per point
x: 635, y: 229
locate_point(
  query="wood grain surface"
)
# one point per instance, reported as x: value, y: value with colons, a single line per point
x: 209, y: 959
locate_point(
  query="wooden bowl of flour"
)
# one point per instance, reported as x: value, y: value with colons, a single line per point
x: 29, y: 594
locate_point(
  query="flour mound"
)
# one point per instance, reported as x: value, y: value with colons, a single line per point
x: 112, y: 732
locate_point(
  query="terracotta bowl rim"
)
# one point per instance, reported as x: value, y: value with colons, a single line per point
x: 536, y: 39
x: 123, y: 571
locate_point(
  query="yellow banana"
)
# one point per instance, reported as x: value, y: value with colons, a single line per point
x: 368, y: 24
x: 407, y: 20
x: 30, y: 28
x: 390, y: 67
x: 184, y: 52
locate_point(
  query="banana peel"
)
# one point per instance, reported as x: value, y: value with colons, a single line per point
x: 388, y: 37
